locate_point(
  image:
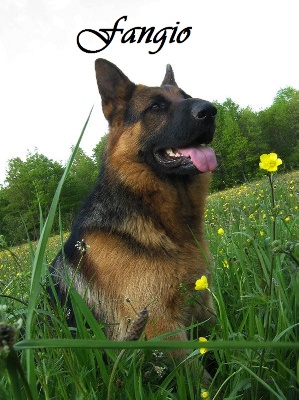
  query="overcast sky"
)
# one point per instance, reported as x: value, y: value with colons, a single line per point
x: 245, y: 50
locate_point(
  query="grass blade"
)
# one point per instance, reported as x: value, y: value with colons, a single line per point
x: 38, y: 262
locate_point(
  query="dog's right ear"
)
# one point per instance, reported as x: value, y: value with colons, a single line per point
x: 169, y: 77
x: 114, y: 86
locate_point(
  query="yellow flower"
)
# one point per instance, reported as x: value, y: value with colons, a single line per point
x: 204, y: 394
x: 225, y: 264
x: 202, y: 283
x: 287, y: 219
x: 220, y: 231
x: 270, y: 162
x: 202, y: 350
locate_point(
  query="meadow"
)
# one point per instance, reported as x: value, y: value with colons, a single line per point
x: 252, y: 353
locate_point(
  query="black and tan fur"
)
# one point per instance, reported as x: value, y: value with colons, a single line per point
x: 143, y: 224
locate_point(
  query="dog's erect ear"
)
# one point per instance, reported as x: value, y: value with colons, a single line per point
x: 114, y: 87
x: 169, y: 77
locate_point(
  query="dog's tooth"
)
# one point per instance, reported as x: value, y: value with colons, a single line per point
x: 170, y: 153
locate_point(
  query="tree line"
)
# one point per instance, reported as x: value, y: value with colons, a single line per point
x: 242, y: 135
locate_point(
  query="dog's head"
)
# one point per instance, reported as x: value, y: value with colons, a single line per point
x: 167, y: 128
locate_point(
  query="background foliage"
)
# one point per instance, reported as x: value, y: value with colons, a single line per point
x: 241, y: 136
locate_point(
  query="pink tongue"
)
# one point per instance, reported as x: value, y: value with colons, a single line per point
x: 202, y: 157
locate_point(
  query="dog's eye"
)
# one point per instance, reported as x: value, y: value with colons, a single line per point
x: 158, y: 106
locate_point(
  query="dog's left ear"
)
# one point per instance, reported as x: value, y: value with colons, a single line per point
x: 169, y: 77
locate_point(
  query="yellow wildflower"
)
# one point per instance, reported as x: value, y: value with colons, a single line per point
x: 220, y: 231
x: 204, y: 394
x: 270, y: 162
x: 202, y: 283
x: 287, y: 219
x: 202, y: 350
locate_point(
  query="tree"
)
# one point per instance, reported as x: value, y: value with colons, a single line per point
x: 285, y: 95
x: 79, y: 183
x: 30, y: 186
x: 98, y: 150
x: 280, y: 125
x: 230, y: 145
x: 251, y: 130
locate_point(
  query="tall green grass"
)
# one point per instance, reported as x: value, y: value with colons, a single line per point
x: 252, y: 351
x: 256, y: 283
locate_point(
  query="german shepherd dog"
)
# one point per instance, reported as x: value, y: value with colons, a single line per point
x: 138, y: 241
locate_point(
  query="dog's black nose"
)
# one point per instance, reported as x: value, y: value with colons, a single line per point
x: 203, y: 110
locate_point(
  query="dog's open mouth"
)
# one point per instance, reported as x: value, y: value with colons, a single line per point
x: 200, y: 157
